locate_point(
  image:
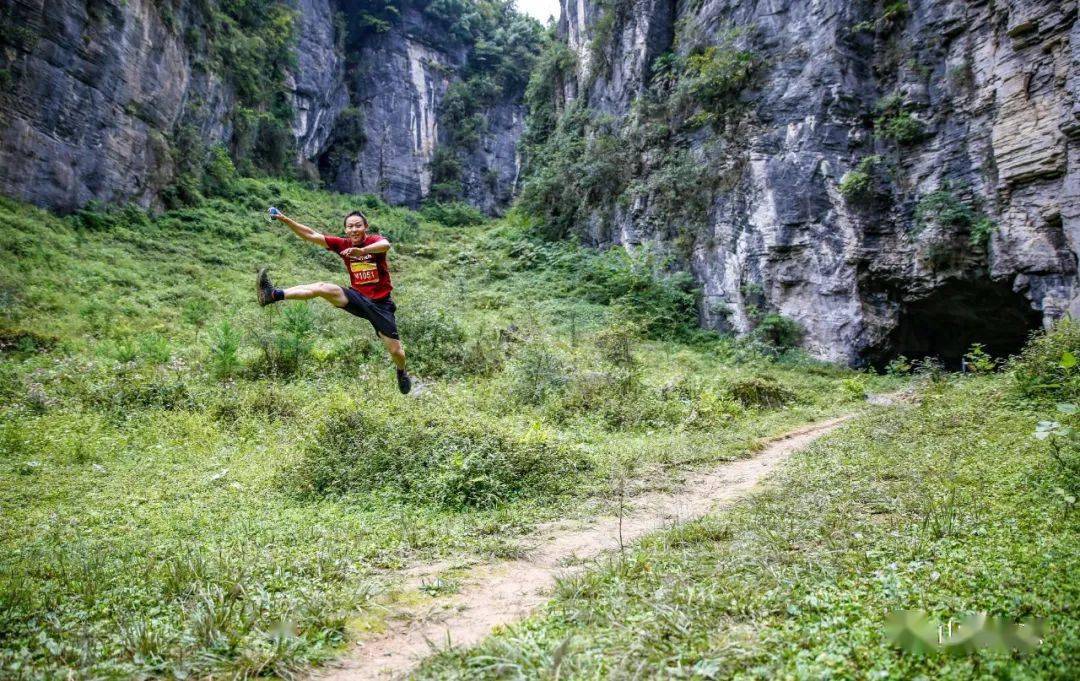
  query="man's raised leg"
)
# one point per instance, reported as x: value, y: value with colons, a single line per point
x: 331, y: 293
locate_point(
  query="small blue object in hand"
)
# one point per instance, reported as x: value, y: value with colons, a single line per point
x: 273, y: 213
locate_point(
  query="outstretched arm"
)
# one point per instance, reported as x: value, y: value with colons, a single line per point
x: 380, y: 246
x: 303, y: 231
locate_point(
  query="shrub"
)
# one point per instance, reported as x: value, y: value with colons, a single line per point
x: 779, y: 331
x: 154, y: 349
x: 195, y: 311
x: 896, y: 123
x: 454, y: 463
x: 1047, y: 368
x: 944, y: 208
x: 978, y: 361
x: 618, y: 401
x: 859, y: 185
x: 981, y: 231
x: 901, y: 127
x: 855, y: 388
x: 224, y: 350
x: 285, y: 348
x: 714, y: 76
x: 438, y: 345
x: 760, y: 391
x: 663, y: 306
x: 536, y: 372
x: 452, y: 214
x: 898, y: 366
x: 711, y: 409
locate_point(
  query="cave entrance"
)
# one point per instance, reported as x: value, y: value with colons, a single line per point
x: 946, y: 323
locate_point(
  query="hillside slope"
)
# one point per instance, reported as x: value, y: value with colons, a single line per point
x: 194, y: 485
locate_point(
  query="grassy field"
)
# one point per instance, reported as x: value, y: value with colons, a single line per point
x: 950, y: 506
x: 192, y: 485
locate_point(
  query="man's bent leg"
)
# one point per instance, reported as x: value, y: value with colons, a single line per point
x: 394, y: 347
x: 331, y: 293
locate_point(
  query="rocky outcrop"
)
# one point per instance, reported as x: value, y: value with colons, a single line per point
x: 318, y: 81
x: 963, y: 116
x: 94, y: 93
x: 93, y: 90
x: 398, y: 85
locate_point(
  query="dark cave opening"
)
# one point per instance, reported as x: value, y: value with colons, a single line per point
x: 946, y: 323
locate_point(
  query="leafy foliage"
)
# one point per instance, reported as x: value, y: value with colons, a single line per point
x: 860, y: 184
x: 1047, y: 369
x: 896, y: 123
x: 779, y: 331
x: 453, y: 463
x: 943, y: 207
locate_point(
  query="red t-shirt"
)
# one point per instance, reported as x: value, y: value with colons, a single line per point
x: 368, y: 274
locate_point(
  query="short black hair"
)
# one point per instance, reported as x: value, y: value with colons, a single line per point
x: 360, y: 215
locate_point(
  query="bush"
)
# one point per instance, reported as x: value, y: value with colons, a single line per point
x: 896, y: 123
x: 453, y: 463
x: 898, y: 366
x: 1047, y: 368
x: 760, y: 391
x: 224, y: 350
x: 287, y: 347
x: 453, y: 214
x: 859, y: 185
x: 664, y: 307
x: 901, y: 127
x: 978, y: 361
x: 944, y: 208
x: 437, y: 345
x: 536, y: 372
x: 618, y: 401
x: 779, y: 331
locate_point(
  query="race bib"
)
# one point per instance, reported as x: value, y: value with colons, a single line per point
x: 364, y: 272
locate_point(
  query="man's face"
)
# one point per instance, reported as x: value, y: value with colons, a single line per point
x: 355, y: 227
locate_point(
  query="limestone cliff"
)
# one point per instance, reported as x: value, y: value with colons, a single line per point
x: 896, y: 177
x: 120, y: 100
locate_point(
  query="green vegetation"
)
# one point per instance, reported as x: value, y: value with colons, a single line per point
x: 907, y: 510
x: 896, y: 123
x: 1047, y: 370
x: 944, y: 208
x: 250, y: 44
x: 193, y: 485
x: 892, y: 15
x: 581, y: 165
x: 503, y: 45
x: 860, y: 184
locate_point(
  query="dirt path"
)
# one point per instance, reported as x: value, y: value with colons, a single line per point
x: 504, y: 592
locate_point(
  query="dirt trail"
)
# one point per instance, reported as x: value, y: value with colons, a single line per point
x: 504, y: 592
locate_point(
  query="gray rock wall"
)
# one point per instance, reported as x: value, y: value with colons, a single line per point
x: 994, y: 84
x: 95, y: 90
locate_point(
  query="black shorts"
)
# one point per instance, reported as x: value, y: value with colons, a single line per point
x: 379, y: 312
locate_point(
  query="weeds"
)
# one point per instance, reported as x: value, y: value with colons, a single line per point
x: 970, y: 527
x: 205, y: 489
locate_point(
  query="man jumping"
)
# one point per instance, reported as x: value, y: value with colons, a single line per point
x: 369, y: 294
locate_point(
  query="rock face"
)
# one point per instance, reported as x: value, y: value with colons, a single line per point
x: 401, y: 78
x: 318, y: 83
x: 94, y: 92
x: 969, y: 114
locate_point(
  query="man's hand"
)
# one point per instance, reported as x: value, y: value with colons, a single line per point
x: 354, y: 252
x: 303, y: 231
